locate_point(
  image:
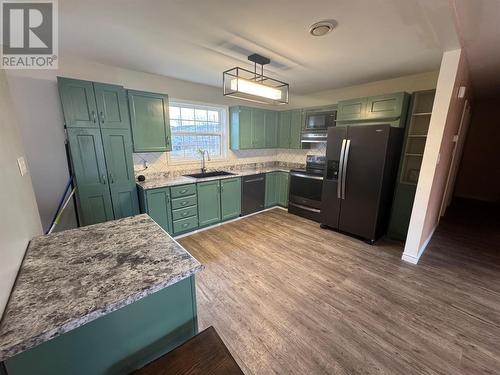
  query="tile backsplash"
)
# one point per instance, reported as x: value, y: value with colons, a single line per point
x: 159, y: 163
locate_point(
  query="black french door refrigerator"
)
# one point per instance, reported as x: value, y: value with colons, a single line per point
x: 359, y: 180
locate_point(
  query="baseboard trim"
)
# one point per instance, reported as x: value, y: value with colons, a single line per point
x: 414, y: 259
x: 227, y: 221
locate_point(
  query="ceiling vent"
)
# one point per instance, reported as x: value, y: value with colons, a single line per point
x: 322, y: 28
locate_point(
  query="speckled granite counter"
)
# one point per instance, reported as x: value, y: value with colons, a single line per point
x: 159, y: 182
x: 73, y: 277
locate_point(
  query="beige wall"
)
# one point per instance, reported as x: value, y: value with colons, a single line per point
x: 479, y: 171
x: 444, y: 124
x: 19, y: 220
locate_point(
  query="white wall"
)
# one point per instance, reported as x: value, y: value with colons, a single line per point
x: 444, y: 123
x: 37, y: 104
x: 19, y: 220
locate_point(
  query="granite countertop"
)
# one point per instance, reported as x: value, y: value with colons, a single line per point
x: 72, y: 277
x: 159, y: 182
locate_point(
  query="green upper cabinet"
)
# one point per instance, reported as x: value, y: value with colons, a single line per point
x: 284, y: 129
x: 230, y: 190
x: 89, y: 168
x: 78, y: 103
x: 271, y: 189
x: 351, y: 110
x: 157, y: 205
x: 209, y: 207
x: 241, y: 128
x: 118, y: 154
x: 271, y: 120
x: 385, y: 106
x: 111, y: 106
x: 295, y: 128
x: 149, y: 121
x: 389, y: 107
x: 258, y: 128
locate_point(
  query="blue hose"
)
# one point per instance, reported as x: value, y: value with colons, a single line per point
x: 61, y: 202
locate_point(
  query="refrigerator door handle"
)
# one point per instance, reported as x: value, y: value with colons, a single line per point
x: 344, y: 166
x: 341, y: 166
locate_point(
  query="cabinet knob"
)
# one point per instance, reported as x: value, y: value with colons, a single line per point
x: 102, y: 116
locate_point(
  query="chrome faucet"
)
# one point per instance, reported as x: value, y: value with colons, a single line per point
x: 202, y: 152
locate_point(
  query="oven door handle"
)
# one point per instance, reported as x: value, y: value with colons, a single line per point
x: 298, y: 174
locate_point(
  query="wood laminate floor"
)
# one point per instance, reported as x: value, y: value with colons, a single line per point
x: 290, y: 298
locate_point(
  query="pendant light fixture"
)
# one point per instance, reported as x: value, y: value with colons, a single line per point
x: 254, y: 86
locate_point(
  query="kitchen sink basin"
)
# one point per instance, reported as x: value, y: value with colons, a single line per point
x: 209, y: 174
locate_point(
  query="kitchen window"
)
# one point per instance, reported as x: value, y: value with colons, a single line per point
x: 196, y: 127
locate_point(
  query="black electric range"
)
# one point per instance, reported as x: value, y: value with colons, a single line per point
x: 306, y: 186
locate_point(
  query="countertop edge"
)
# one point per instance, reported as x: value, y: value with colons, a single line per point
x: 192, y: 180
x: 93, y: 315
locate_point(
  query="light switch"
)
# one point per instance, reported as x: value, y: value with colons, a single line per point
x: 22, y: 165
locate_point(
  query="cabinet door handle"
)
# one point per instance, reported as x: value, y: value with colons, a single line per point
x: 103, y: 181
x: 102, y: 116
x: 168, y: 140
x: 111, y: 178
x: 94, y: 117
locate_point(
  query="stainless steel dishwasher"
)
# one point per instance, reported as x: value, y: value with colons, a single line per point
x: 253, y: 193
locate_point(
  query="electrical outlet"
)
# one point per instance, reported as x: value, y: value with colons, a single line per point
x: 22, y: 165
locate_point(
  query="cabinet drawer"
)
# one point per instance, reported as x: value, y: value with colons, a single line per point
x: 183, y: 191
x: 185, y: 225
x: 183, y: 202
x: 183, y: 213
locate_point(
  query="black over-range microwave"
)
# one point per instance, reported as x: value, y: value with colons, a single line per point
x: 317, y: 123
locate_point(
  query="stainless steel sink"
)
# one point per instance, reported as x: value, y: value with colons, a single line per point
x: 210, y: 174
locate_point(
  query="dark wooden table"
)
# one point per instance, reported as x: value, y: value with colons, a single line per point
x: 204, y: 354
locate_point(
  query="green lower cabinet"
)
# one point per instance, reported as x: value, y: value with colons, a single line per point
x: 209, y: 207
x: 185, y: 225
x: 230, y: 191
x: 271, y: 189
x: 283, y: 186
x: 401, y: 211
x: 157, y: 204
x: 120, y: 342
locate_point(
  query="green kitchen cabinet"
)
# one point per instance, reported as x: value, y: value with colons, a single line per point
x: 390, y: 108
x: 157, y: 204
x: 118, y: 155
x: 283, y: 187
x: 230, y: 191
x: 150, y: 121
x: 89, y: 168
x: 284, y: 129
x: 258, y: 129
x: 385, y: 106
x: 271, y: 189
x: 352, y: 110
x: 78, y: 103
x: 112, y: 107
x: 410, y: 163
x: 295, y: 129
x: 241, y: 128
x: 98, y: 131
x: 209, y: 207
x: 271, y: 120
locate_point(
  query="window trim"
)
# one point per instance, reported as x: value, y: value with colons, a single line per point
x: 224, y: 116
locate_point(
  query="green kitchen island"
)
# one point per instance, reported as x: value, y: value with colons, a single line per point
x: 101, y: 299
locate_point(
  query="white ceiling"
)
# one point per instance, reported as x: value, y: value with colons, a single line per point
x: 196, y: 40
x: 478, y: 24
